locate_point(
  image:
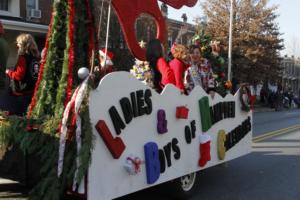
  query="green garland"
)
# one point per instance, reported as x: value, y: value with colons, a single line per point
x: 57, y: 43
x: 62, y: 83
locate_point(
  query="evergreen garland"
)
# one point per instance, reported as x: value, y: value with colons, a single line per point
x: 61, y: 93
x: 85, y: 154
x: 52, y: 70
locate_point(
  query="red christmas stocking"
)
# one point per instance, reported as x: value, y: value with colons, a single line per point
x: 204, y: 150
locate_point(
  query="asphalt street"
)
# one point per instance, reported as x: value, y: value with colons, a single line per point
x: 271, y: 171
x: 269, y: 121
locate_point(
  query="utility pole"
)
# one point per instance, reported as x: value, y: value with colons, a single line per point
x: 230, y: 41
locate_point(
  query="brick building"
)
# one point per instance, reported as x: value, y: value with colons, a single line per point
x: 291, y: 73
x: 24, y: 16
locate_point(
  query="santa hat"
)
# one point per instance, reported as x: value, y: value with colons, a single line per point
x: 109, y: 55
x: 1, y: 28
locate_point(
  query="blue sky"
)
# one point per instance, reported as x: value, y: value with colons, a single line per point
x: 289, y: 11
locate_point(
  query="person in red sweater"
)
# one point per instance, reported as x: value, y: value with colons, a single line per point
x: 178, y: 65
x: 25, y: 73
x: 162, y: 74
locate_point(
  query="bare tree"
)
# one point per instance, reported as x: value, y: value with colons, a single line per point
x: 257, y: 42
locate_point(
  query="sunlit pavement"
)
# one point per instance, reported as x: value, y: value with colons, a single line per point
x: 285, y: 145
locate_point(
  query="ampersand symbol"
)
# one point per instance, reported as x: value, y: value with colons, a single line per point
x: 162, y: 123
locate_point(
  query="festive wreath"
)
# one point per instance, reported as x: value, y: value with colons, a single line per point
x: 245, y: 94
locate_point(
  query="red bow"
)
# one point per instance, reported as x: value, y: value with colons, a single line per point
x: 137, y: 164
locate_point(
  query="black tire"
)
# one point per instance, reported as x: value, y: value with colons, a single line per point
x: 180, y: 191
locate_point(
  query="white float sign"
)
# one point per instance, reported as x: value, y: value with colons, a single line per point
x: 144, y: 138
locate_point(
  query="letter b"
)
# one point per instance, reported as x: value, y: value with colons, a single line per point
x: 152, y: 162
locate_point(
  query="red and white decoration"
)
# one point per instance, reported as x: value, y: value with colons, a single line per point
x: 133, y: 165
x: 205, y: 141
x: 73, y: 106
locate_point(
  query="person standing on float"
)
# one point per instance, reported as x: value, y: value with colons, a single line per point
x: 179, y: 65
x: 22, y: 81
x: 200, y: 73
x: 162, y: 74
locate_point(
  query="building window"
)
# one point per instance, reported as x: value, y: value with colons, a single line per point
x: 10, y: 8
x: 4, y: 5
x: 32, y: 4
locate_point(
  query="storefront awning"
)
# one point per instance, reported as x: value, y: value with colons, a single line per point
x: 24, y: 26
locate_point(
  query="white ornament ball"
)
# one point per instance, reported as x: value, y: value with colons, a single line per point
x: 83, y: 73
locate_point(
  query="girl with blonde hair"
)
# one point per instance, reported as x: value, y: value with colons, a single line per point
x: 25, y: 73
x: 27, y: 45
x: 179, y: 65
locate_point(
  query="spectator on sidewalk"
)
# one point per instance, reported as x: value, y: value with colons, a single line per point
x: 4, y: 52
x: 23, y: 77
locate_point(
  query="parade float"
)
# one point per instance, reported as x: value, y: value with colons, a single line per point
x: 123, y: 136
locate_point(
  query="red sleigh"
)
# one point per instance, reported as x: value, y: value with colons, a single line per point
x: 129, y: 12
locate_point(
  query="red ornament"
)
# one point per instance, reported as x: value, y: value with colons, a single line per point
x: 182, y: 112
